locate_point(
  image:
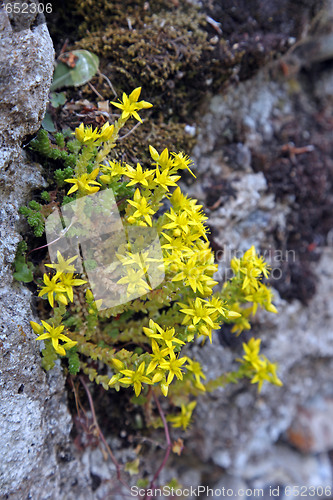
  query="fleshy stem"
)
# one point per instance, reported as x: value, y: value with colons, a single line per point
x: 84, y: 158
x: 168, y: 449
x: 110, y: 144
x: 100, y: 434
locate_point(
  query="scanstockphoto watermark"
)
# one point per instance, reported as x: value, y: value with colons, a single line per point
x: 198, y: 491
x: 276, y: 259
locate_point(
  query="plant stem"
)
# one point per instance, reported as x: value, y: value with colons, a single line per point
x: 168, y: 449
x: 100, y: 434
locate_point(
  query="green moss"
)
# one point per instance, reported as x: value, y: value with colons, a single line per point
x: 162, y: 48
x: 158, y: 133
x: 166, y: 54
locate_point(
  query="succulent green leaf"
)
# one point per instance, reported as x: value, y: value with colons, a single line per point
x: 85, y: 68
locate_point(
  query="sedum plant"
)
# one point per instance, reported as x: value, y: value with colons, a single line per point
x: 143, y: 341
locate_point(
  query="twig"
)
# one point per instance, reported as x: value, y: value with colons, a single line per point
x: 100, y: 434
x: 293, y: 150
x: 95, y: 90
x: 62, y: 233
x: 130, y: 131
x: 215, y: 24
x: 168, y: 449
x: 109, y: 83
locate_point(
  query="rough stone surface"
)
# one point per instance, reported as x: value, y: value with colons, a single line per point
x: 35, y: 422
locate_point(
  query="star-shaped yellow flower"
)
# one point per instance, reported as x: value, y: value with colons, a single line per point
x: 130, y: 105
x: 85, y: 184
x: 67, y: 281
x: 55, y: 334
x: 52, y: 286
x: 137, y: 175
x: 184, y: 418
x: 63, y: 266
x: 135, y: 378
x: 173, y: 365
x: 142, y: 207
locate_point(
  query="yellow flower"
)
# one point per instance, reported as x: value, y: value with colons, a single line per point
x: 135, y: 378
x: 55, y: 334
x: 136, y: 285
x: 141, y: 260
x: 195, y: 368
x: 63, y: 265
x: 252, y: 349
x: 182, y: 161
x: 52, y: 286
x: 143, y: 209
x: 180, y: 221
x: 164, y: 179
x: 157, y: 356
x: 67, y: 281
x: 106, y: 132
x: 83, y: 183
x: 137, y: 175
x: 130, y: 105
x: 199, y: 310
x: 163, y: 160
x: 115, y: 169
x: 88, y: 135
x: 265, y: 371
x: 193, y: 274
x: 166, y: 336
x: 184, y: 418
x: 173, y: 365
x: 250, y: 268
x: 263, y: 297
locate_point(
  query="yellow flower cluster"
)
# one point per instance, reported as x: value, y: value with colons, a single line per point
x: 248, y: 273
x: 86, y: 135
x: 58, y: 288
x: 165, y: 364
x: 256, y: 366
x: 186, y: 250
x: 203, y: 316
x: 183, y: 306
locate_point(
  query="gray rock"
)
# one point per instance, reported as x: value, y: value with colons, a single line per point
x: 35, y: 422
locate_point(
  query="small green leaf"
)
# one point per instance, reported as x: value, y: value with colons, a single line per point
x: 24, y: 273
x: 47, y: 123
x: 23, y: 270
x: 57, y: 99
x: 85, y: 68
x: 142, y: 483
